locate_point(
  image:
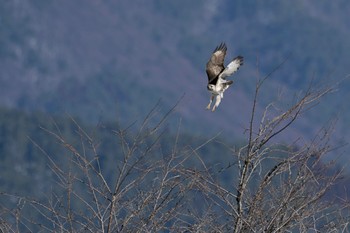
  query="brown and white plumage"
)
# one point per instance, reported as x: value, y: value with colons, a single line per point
x: 217, y: 74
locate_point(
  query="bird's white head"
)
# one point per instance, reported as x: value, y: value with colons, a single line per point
x: 211, y: 87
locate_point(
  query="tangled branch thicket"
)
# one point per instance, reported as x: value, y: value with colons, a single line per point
x: 272, y: 187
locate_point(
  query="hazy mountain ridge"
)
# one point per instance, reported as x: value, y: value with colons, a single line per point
x: 109, y: 59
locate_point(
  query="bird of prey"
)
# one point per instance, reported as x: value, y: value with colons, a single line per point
x: 217, y: 74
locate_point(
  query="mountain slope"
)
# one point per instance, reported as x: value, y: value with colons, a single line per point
x: 117, y: 59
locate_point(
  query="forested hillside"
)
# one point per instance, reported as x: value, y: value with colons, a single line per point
x: 117, y: 59
x: 52, y: 168
x: 28, y: 139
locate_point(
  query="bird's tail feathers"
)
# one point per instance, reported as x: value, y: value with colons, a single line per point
x: 227, y: 84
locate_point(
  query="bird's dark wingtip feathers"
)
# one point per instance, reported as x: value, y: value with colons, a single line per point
x: 221, y: 47
x: 241, y: 59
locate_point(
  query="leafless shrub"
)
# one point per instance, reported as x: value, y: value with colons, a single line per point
x: 272, y: 187
x: 147, y: 191
x: 278, y: 187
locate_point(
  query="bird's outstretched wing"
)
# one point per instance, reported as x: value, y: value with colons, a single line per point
x: 232, y: 67
x: 215, y: 65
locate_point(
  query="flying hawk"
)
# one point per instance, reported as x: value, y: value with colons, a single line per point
x: 217, y: 74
